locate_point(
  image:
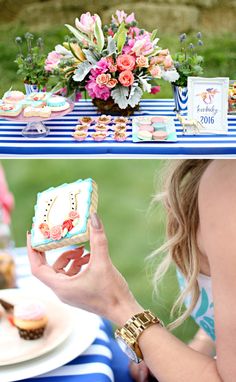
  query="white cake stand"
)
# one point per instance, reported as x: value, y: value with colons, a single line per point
x: 35, y: 127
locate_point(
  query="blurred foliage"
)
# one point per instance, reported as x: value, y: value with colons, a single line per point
x: 219, y: 54
x: 125, y: 188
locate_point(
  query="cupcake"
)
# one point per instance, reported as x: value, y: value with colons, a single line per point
x: 30, y: 319
x: 83, y: 127
x: 119, y: 120
x: 86, y: 120
x: 101, y: 127
x: 120, y: 128
x: 80, y: 135
x: 120, y: 136
x: 104, y: 119
x: 99, y: 136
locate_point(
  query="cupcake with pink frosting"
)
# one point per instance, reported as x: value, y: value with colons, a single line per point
x: 30, y: 319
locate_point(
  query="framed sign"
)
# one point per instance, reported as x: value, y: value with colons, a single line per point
x: 208, y: 103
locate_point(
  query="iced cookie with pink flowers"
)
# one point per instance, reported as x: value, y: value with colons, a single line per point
x: 13, y: 97
x: 30, y: 319
x: 10, y: 110
x: 62, y: 215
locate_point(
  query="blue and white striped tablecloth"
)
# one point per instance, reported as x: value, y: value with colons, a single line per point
x: 103, y: 361
x: 60, y: 142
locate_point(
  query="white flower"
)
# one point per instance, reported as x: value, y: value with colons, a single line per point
x: 60, y: 49
x: 170, y: 75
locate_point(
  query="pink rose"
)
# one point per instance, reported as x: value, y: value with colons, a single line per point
x: 68, y: 224
x: 112, y: 83
x: 56, y: 232
x: 125, y: 62
x: 155, y: 71
x: 157, y: 60
x: 73, y: 215
x: 52, y: 61
x: 112, y: 67
x: 168, y: 63
x: 155, y: 89
x: 164, y: 52
x: 103, y: 79
x: 142, y: 62
x: 126, y: 78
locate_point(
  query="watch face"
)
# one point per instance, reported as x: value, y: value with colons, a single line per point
x: 127, y: 350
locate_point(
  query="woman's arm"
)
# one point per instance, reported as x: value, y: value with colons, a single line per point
x: 202, y: 343
x: 100, y: 288
x: 217, y: 205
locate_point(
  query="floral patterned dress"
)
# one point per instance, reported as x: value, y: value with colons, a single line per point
x: 203, y: 313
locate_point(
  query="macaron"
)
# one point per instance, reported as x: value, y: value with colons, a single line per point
x: 158, y: 119
x: 143, y: 120
x: 159, y: 126
x: 159, y: 135
x: 146, y: 127
x: 144, y: 135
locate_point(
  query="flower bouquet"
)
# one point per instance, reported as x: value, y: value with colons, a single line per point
x: 115, y: 64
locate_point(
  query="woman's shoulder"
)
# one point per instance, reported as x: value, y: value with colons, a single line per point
x: 218, y: 181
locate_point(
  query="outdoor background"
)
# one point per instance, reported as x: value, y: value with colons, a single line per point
x: 46, y: 18
x: 126, y: 188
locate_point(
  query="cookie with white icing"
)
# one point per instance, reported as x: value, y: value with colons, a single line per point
x: 62, y: 215
x: 10, y: 110
x: 37, y: 111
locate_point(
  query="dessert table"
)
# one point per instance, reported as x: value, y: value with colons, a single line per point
x: 103, y: 361
x: 60, y: 143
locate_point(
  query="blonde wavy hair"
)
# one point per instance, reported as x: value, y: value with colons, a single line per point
x: 180, y: 199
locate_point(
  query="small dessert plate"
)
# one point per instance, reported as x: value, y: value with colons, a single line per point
x: 168, y: 127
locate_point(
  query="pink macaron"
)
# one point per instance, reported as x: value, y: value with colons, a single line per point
x: 146, y: 127
x: 158, y: 119
x: 159, y: 135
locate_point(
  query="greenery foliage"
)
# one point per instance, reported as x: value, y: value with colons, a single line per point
x: 187, y: 61
x: 31, y: 60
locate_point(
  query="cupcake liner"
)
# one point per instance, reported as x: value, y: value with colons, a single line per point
x: 32, y: 334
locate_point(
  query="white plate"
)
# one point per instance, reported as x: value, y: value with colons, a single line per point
x: 82, y: 335
x: 14, y: 349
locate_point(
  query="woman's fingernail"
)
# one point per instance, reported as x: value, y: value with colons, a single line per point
x: 142, y: 376
x: 95, y: 221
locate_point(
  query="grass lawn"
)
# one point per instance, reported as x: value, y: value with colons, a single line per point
x: 219, y: 53
x: 125, y: 191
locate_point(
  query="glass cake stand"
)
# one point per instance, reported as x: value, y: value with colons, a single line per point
x: 36, y: 127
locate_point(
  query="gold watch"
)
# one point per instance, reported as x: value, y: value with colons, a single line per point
x: 127, y: 336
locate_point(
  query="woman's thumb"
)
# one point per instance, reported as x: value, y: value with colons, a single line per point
x: 98, y: 239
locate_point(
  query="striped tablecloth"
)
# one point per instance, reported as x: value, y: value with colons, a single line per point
x: 60, y: 142
x: 103, y: 361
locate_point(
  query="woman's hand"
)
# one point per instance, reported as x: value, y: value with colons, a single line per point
x: 140, y: 372
x: 99, y: 288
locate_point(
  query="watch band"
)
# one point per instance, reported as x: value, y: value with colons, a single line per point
x: 134, y: 327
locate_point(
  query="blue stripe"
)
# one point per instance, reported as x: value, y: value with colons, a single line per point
x: 96, y: 377
x: 82, y: 359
